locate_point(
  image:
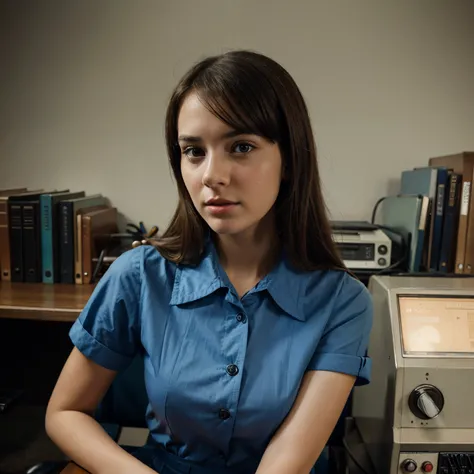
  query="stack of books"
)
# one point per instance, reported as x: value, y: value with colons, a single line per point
x: 435, y: 210
x: 52, y: 236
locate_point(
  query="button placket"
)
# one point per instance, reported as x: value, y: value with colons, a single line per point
x: 234, y: 346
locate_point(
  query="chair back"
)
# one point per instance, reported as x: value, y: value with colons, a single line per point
x: 126, y: 401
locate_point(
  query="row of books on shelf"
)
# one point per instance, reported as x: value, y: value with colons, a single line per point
x: 52, y: 236
x: 435, y: 209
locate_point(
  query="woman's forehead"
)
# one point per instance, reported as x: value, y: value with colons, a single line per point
x: 196, y: 120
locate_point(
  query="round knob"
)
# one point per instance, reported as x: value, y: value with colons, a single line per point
x: 427, y: 467
x: 427, y: 405
x: 409, y: 465
x: 383, y: 249
x: 426, y: 402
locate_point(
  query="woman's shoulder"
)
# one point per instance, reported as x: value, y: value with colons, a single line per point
x: 333, y: 282
x: 139, y: 263
x: 336, y: 289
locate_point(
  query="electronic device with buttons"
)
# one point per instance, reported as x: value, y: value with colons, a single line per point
x: 417, y: 414
x: 363, y: 249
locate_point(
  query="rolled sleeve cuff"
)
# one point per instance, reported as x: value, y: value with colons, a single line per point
x: 345, y: 364
x: 96, y: 351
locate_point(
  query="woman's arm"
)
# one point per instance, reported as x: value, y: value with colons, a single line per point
x: 296, y: 446
x: 69, y: 422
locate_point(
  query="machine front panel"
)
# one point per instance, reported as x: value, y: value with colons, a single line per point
x: 425, y: 419
x: 452, y: 391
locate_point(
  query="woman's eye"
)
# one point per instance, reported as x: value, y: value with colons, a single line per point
x: 193, y: 152
x: 243, y: 148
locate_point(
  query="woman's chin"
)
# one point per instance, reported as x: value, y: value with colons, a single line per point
x: 225, y: 227
x: 224, y: 230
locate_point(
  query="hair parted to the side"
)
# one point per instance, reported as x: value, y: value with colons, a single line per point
x: 254, y: 94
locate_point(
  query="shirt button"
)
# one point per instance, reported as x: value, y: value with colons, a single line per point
x: 224, y: 414
x: 232, y: 370
x: 241, y: 318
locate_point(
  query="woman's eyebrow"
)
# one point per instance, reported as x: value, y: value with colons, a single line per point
x: 230, y: 134
x: 189, y: 139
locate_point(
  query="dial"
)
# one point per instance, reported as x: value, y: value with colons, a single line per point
x: 409, y: 465
x: 383, y: 249
x: 426, y: 402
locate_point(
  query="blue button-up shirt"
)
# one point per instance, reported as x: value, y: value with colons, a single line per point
x: 222, y: 372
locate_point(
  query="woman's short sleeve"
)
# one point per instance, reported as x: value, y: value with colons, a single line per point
x: 108, y: 329
x: 343, y: 346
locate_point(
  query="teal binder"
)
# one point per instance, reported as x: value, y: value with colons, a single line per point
x: 419, y: 181
x: 423, y: 181
x: 407, y: 215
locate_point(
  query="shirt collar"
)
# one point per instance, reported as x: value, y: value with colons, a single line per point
x: 285, y: 285
x: 193, y: 282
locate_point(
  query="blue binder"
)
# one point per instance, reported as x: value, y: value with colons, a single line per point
x: 430, y: 182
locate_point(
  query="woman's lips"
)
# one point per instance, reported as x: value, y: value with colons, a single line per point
x: 221, y: 208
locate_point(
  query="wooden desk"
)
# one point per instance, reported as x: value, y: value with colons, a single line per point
x: 42, y: 302
x: 39, y: 301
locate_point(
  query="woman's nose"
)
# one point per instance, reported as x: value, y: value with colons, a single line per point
x: 217, y: 172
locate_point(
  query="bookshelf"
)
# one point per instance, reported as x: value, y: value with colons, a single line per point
x: 37, y: 301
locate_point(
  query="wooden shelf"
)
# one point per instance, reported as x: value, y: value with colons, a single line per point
x: 40, y: 301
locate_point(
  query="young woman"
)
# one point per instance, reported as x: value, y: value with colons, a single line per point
x: 252, y: 331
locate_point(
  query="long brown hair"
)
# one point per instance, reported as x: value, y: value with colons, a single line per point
x: 254, y: 94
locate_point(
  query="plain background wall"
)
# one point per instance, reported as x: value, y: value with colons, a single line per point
x: 84, y: 86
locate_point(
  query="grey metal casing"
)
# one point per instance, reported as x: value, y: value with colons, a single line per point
x: 381, y: 411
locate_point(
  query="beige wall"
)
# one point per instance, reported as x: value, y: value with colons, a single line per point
x: 84, y: 85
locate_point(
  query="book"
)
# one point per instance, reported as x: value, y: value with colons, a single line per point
x: 96, y: 229
x: 78, y: 272
x: 32, y: 250
x: 442, y: 188
x: 423, y: 181
x: 4, y: 232
x: 68, y: 242
x: 49, y: 209
x: 469, y: 252
x: 462, y: 164
x: 23, y: 234
x: 447, y: 255
x: 407, y: 215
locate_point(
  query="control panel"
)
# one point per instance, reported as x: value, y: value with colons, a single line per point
x: 418, y: 463
x: 442, y: 463
x: 363, y: 250
x: 456, y: 463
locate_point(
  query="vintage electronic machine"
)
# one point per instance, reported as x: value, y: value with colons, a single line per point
x: 362, y: 245
x: 417, y: 414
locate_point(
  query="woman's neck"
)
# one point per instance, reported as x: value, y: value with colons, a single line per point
x: 249, y: 255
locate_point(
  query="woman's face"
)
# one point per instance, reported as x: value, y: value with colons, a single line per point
x: 233, y: 179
